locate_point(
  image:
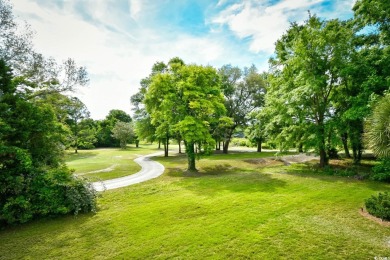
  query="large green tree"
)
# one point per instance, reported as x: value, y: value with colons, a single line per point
x: 34, y: 180
x: 76, y: 111
x: 306, y: 75
x: 244, y: 91
x: 123, y: 132
x: 186, y: 99
x: 367, y: 74
x: 105, y: 127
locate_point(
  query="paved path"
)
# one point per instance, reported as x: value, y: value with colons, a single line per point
x: 150, y: 169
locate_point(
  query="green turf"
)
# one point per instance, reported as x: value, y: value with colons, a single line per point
x: 231, y: 209
x: 109, y: 163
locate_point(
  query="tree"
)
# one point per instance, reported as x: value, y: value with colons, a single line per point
x: 375, y: 13
x: 306, y: 75
x: 77, y: 111
x: 118, y: 115
x: 105, y: 127
x: 123, y: 132
x: 143, y: 123
x: 87, y: 133
x: 186, y: 99
x: 255, y: 131
x: 377, y: 128
x: 367, y: 73
x: 34, y: 181
x: 243, y: 91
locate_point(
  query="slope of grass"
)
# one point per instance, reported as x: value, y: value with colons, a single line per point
x: 230, y: 209
x: 108, y: 163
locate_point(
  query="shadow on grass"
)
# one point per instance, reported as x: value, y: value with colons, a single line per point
x: 214, y: 179
x: 338, y: 171
x: 240, y: 155
x: 77, y: 156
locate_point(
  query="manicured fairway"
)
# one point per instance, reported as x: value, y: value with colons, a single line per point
x: 104, y: 164
x: 231, y: 209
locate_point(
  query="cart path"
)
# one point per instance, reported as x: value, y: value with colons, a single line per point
x: 150, y: 169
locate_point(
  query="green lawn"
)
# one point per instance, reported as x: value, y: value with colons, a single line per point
x: 108, y: 163
x: 232, y: 209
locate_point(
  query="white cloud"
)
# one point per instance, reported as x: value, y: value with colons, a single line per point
x: 116, y: 62
x: 264, y: 23
x: 135, y: 8
x: 119, y: 44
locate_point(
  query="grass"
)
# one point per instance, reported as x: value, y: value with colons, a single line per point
x: 233, y: 208
x: 108, y: 163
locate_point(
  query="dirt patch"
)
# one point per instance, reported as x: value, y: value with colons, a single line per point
x: 263, y: 162
x: 298, y: 158
x: 373, y: 218
x: 286, y: 160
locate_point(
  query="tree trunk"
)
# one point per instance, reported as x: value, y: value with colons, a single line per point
x: 228, y: 137
x: 322, y: 146
x: 357, y: 153
x: 259, y: 141
x: 76, y: 145
x: 218, y: 145
x: 166, y: 144
x: 226, y: 146
x: 190, y: 149
x: 179, y: 142
x: 356, y: 141
x: 300, y: 148
x: 159, y: 144
x: 136, y: 143
x: 344, y: 140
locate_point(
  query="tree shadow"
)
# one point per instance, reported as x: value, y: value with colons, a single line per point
x: 211, y: 180
x: 335, y: 173
x: 78, y: 156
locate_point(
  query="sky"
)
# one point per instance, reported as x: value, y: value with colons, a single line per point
x: 118, y: 41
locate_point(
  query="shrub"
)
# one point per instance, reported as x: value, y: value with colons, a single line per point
x: 381, y: 171
x: 27, y: 192
x: 379, y: 206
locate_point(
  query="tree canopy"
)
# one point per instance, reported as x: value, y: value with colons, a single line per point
x: 186, y: 99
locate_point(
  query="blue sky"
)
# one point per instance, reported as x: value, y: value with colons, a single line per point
x: 119, y: 40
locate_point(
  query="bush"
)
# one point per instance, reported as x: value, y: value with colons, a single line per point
x: 381, y: 171
x: 379, y: 206
x: 243, y: 142
x: 27, y: 192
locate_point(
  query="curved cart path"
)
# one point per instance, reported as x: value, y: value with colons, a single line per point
x: 150, y: 169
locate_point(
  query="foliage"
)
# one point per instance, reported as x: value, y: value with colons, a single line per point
x: 379, y: 206
x: 305, y: 77
x: 241, y: 142
x: 374, y: 13
x: 29, y: 192
x: 123, y: 132
x: 381, y: 171
x: 378, y: 128
x: 185, y: 99
x: 104, y: 128
x: 87, y: 134
x: 76, y: 112
x: 244, y: 91
x: 144, y: 128
x: 34, y: 182
x: 118, y: 115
